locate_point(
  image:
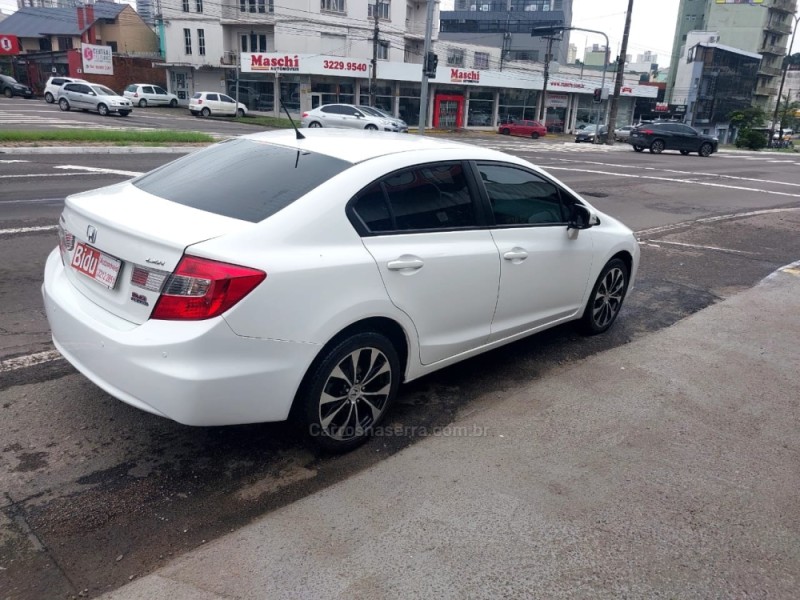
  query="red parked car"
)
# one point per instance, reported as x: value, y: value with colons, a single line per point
x: 532, y: 129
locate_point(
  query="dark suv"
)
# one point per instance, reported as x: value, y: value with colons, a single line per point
x: 11, y: 87
x: 658, y: 137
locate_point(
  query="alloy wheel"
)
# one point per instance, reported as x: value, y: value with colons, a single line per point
x: 355, y: 394
x: 608, y: 298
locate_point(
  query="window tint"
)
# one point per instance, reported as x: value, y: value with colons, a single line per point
x: 159, y: 90
x: 520, y: 197
x: 259, y: 179
x: 685, y: 129
x: 197, y: 95
x: 58, y: 82
x: 433, y: 196
x: 147, y: 89
x: 131, y: 88
x: 225, y: 98
x: 212, y: 97
x: 333, y: 110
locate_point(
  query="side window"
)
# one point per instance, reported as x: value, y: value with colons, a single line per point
x: 225, y: 98
x: 131, y: 88
x: 519, y: 197
x: 147, y: 90
x: 83, y: 89
x: 213, y: 97
x: 428, y: 197
x: 333, y: 110
x: 58, y: 82
x: 160, y: 91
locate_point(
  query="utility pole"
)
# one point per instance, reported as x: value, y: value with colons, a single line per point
x: 543, y: 106
x: 373, y: 82
x: 423, y: 96
x: 612, y: 117
x: 786, y: 60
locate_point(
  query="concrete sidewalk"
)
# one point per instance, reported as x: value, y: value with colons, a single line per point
x: 666, y: 468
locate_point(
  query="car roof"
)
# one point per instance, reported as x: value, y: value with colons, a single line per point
x: 356, y: 146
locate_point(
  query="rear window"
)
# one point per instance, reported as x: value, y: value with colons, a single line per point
x: 241, y: 178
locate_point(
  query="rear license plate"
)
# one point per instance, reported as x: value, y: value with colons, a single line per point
x: 96, y: 265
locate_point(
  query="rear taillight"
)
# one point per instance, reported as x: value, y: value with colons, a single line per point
x: 135, y: 94
x: 201, y: 289
x: 66, y: 241
x: 646, y: 131
x: 305, y: 114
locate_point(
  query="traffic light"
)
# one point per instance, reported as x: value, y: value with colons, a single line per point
x: 431, y: 62
x: 598, y: 94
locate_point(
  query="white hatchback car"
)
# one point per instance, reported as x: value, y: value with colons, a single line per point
x: 147, y: 94
x: 319, y: 273
x: 206, y: 104
x: 53, y: 86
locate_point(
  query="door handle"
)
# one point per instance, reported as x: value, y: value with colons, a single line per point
x: 516, y: 254
x: 405, y: 262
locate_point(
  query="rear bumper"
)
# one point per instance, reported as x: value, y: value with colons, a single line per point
x: 196, y: 373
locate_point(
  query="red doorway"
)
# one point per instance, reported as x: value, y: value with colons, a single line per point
x: 448, y: 111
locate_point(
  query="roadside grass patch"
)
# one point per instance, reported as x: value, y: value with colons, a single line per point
x: 106, y: 136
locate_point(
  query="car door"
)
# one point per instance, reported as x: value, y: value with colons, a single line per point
x: 160, y: 96
x: 439, y: 266
x: 149, y: 95
x: 79, y: 95
x: 544, y: 266
x: 213, y: 103
x: 228, y: 105
x: 690, y: 139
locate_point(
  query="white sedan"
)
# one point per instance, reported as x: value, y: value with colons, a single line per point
x: 268, y: 275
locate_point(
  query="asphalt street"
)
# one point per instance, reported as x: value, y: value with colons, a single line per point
x: 95, y: 492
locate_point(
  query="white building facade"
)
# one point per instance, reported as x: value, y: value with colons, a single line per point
x: 321, y: 52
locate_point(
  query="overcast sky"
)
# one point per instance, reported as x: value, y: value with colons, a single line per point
x: 652, y: 25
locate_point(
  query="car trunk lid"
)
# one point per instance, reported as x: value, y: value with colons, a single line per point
x: 120, y: 243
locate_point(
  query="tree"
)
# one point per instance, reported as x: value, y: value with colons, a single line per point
x: 787, y: 115
x: 744, y: 121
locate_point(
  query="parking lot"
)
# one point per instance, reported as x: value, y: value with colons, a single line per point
x: 95, y: 492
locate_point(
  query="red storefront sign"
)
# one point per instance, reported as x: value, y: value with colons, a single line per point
x: 9, y: 45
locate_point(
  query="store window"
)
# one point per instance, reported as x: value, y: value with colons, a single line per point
x: 481, y: 60
x: 409, y: 104
x: 334, y: 92
x: 518, y: 105
x: 384, y: 96
x: 481, y: 108
x: 589, y: 112
x: 254, y: 42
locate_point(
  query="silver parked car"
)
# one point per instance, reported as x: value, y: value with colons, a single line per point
x: 92, y: 96
x: 346, y: 116
x: 622, y: 134
x: 402, y: 126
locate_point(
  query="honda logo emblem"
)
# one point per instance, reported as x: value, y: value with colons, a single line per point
x: 91, y: 233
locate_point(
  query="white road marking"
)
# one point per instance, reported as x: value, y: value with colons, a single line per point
x: 99, y: 170
x: 683, y: 224
x: 678, y: 172
x: 12, y: 161
x: 30, y: 360
x: 701, y: 247
x: 673, y: 180
x: 32, y: 175
x: 28, y: 229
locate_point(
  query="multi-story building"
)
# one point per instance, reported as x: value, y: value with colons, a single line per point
x: 572, y: 54
x: 714, y: 81
x: 595, y: 55
x: 507, y: 24
x: 146, y: 10
x: 761, y: 27
x: 265, y: 52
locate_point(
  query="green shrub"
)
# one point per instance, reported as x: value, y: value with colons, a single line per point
x: 752, y: 140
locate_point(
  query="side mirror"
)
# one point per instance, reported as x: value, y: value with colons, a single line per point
x: 581, y: 218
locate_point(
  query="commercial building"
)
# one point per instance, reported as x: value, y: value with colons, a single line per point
x: 265, y: 53
x: 714, y: 81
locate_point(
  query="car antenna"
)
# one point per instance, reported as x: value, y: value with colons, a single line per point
x: 300, y: 136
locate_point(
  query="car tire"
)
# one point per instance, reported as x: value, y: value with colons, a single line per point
x: 124, y: 113
x: 206, y: 112
x: 143, y: 103
x: 638, y: 149
x: 63, y: 104
x: 8, y: 92
x: 505, y: 131
x: 348, y: 390
x: 657, y: 147
x: 371, y: 127
x: 315, y: 124
x: 685, y: 152
x: 102, y: 110
x: 705, y: 150
x: 48, y: 97
x: 240, y: 112
x: 535, y: 136
x: 173, y: 103
x: 606, y: 298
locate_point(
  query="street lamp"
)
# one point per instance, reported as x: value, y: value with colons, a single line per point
x: 549, y: 31
x: 783, y: 81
